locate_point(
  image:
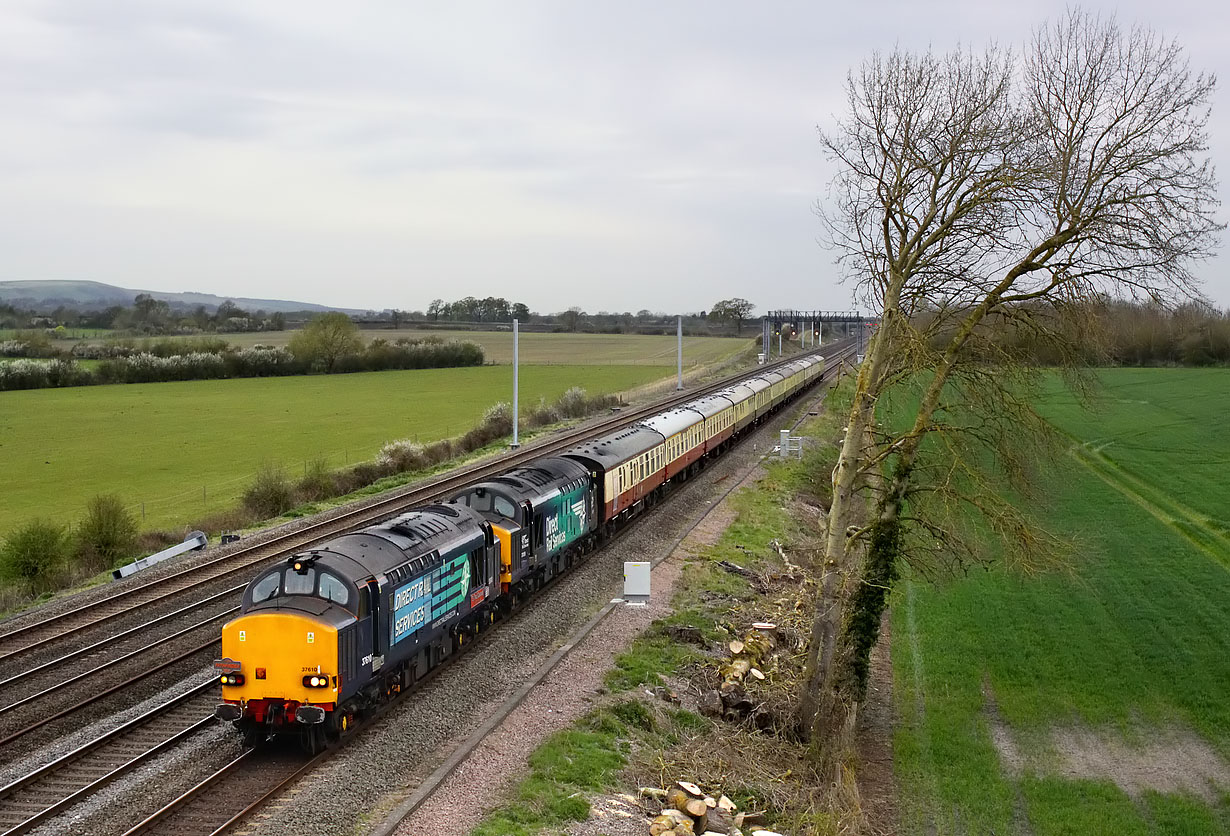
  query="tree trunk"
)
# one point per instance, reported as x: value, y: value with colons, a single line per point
x: 828, y: 616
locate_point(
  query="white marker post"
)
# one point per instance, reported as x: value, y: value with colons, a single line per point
x: 516, y: 346
x: 679, y: 385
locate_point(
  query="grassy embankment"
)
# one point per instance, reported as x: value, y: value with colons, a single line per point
x: 1104, y: 681
x: 188, y: 449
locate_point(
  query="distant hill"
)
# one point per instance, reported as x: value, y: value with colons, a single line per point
x: 48, y: 295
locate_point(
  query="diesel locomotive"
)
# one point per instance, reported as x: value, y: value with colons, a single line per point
x: 336, y: 630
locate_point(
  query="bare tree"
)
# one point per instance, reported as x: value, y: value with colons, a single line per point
x: 972, y: 200
x: 734, y: 310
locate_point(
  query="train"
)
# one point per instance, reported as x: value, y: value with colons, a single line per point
x: 329, y: 635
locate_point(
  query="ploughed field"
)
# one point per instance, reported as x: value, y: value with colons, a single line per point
x: 1096, y: 701
x: 186, y: 449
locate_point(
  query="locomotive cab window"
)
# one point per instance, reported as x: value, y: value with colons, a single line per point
x: 505, y: 508
x: 301, y: 583
x: 266, y: 587
x: 332, y: 589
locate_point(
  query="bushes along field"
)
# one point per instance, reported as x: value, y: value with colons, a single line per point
x: 42, y: 555
x: 215, y: 361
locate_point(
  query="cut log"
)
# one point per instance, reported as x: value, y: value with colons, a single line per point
x: 765, y: 833
x: 736, y: 647
x: 720, y: 820
x: 661, y: 825
x: 736, y: 569
x: 734, y: 696
x: 676, y: 816
x: 748, y: 819
x: 654, y: 793
x: 676, y: 798
x: 736, y: 670
x: 690, y: 788
x: 764, y: 625
x: 710, y: 704
x: 710, y: 802
x: 726, y: 804
x: 756, y: 674
x: 696, y: 808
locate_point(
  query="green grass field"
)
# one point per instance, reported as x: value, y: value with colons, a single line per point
x: 1093, y: 679
x: 185, y: 449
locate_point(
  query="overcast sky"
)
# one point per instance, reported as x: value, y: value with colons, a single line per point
x: 615, y: 156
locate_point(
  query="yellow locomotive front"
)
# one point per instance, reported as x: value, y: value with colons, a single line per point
x: 280, y: 668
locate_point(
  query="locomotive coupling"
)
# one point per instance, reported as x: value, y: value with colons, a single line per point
x: 227, y: 711
x: 310, y: 714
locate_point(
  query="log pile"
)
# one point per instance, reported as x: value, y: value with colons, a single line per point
x: 748, y: 658
x: 688, y: 811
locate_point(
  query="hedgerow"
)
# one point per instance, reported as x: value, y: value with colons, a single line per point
x: 126, y: 364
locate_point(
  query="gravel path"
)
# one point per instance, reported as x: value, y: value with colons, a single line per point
x: 371, y: 775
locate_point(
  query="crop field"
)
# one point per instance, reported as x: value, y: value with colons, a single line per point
x: 558, y: 349
x: 1095, y: 700
x: 180, y: 450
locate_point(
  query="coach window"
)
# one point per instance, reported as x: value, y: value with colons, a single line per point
x: 266, y: 588
x: 301, y: 584
x: 332, y: 589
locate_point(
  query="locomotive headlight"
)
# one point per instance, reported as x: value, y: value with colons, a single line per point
x: 231, y: 679
x: 316, y: 681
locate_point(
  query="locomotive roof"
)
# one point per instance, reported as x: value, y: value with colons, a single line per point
x: 418, y: 537
x: 610, y: 450
x: 537, y: 479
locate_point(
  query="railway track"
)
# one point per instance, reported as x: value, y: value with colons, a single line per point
x: 184, y: 644
x: 240, y: 564
x: 226, y: 797
x: 33, y: 799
